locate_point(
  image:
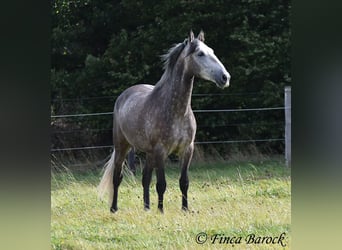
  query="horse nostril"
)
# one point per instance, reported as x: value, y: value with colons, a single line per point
x: 224, y: 78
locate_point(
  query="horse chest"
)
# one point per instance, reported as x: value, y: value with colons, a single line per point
x: 178, y: 135
x: 180, y: 132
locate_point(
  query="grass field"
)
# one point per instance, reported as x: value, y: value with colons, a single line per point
x: 227, y: 201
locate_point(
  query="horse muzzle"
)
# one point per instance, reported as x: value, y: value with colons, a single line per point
x: 222, y: 80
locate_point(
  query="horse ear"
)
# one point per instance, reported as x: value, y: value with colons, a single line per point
x: 201, y: 36
x: 191, y: 36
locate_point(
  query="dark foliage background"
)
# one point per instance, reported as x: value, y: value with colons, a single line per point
x: 101, y: 47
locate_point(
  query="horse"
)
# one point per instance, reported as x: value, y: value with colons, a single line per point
x: 158, y: 120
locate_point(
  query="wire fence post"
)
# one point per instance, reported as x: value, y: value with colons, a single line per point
x: 287, y: 125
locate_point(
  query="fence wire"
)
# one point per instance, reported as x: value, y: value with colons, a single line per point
x: 195, y: 111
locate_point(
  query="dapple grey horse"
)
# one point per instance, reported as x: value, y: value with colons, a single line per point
x: 158, y: 120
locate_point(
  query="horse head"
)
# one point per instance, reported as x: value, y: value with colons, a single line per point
x: 203, y: 63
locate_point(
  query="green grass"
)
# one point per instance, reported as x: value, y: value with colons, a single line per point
x: 230, y: 199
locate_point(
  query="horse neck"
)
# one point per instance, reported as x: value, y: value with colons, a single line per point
x: 177, y: 89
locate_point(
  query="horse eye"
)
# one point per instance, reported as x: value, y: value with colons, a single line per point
x: 200, y: 53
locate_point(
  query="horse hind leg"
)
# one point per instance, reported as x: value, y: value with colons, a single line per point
x: 120, y: 155
x: 130, y: 161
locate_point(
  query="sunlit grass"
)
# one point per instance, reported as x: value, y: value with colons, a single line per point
x: 224, y: 198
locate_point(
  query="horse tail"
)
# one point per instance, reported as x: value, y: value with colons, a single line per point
x: 106, y: 183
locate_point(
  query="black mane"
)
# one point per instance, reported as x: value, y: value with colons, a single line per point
x: 170, y: 58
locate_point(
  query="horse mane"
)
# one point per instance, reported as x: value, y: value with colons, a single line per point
x: 170, y: 58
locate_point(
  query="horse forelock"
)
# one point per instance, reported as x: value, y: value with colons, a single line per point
x: 193, y: 46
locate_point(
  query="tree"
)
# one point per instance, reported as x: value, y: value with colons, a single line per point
x: 101, y: 47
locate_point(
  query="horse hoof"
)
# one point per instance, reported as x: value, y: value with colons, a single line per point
x: 161, y: 210
x: 146, y: 209
x: 113, y: 210
x: 185, y: 209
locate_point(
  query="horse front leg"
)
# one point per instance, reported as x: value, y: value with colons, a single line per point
x: 154, y: 159
x: 184, y: 179
x: 161, y: 186
x: 146, y: 180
